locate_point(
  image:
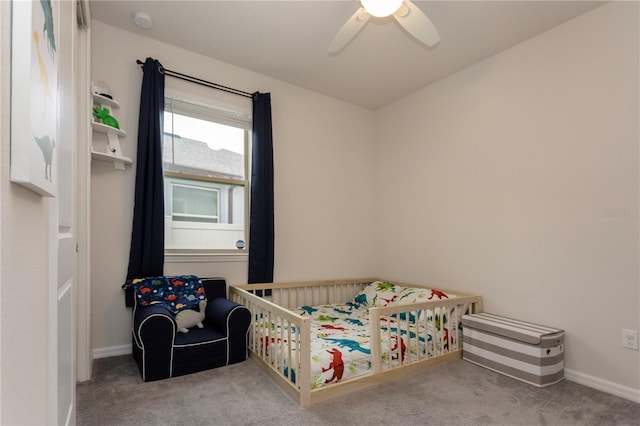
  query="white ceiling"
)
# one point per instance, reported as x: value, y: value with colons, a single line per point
x: 288, y: 40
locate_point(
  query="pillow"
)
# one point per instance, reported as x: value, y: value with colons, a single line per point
x: 410, y: 295
x: 419, y: 295
x: 378, y: 293
x: 174, y: 293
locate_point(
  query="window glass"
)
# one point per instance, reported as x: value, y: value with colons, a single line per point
x: 194, y: 204
x: 203, y: 147
x: 205, y: 160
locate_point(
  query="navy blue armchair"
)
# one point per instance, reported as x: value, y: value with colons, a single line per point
x: 162, y: 352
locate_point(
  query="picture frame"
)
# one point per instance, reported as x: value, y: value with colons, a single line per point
x: 34, y: 96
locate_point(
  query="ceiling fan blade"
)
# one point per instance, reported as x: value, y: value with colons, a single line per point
x: 417, y: 23
x: 349, y: 30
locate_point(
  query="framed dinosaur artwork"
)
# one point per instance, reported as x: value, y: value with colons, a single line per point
x: 34, y: 95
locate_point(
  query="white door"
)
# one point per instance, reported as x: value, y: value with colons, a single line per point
x: 63, y: 336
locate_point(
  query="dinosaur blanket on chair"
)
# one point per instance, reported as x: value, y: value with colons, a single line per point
x: 174, y: 293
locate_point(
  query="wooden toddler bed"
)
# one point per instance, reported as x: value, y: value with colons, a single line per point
x: 321, y: 339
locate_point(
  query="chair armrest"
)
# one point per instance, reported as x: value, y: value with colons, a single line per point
x: 153, y: 322
x: 227, y: 316
x: 154, y: 330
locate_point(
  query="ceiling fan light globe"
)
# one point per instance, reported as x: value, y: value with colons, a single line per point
x: 381, y: 8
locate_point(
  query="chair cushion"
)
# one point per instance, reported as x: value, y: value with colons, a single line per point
x: 198, y: 336
x: 174, y: 293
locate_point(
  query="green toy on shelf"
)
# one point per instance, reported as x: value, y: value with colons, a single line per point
x: 103, y: 115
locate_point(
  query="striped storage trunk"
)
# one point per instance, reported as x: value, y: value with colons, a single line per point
x: 528, y: 352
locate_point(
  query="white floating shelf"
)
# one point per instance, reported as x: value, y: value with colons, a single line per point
x: 103, y: 100
x: 103, y: 156
x: 103, y: 128
x: 112, y: 152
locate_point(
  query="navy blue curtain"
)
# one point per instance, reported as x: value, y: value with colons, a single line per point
x: 146, y: 256
x: 261, y: 233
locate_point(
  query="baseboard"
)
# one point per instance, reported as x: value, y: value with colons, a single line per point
x: 111, y: 351
x: 602, y: 385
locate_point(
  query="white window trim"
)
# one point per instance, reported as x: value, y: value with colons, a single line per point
x: 206, y: 257
x: 241, y: 115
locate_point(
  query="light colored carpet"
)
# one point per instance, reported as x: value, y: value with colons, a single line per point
x: 458, y: 393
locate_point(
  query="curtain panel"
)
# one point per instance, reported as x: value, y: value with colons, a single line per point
x: 261, y: 224
x: 146, y: 255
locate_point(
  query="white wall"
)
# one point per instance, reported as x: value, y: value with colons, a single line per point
x: 27, y: 256
x: 507, y: 179
x: 24, y: 244
x: 323, y: 156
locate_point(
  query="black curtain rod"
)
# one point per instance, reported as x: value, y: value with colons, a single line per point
x: 200, y: 81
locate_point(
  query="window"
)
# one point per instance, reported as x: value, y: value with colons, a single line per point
x: 205, y: 162
x: 194, y: 204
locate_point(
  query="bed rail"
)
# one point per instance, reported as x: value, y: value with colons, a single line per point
x: 290, y: 295
x: 274, y: 346
x: 268, y: 344
x: 432, y: 317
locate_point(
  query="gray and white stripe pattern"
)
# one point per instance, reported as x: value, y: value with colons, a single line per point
x: 528, y: 352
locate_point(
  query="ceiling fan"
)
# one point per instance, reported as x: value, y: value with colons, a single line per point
x: 406, y: 13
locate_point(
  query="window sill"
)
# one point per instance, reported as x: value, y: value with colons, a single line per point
x: 205, y: 257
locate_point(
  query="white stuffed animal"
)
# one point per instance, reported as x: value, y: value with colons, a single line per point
x: 189, y: 318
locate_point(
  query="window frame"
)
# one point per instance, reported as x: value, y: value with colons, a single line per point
x: 233, y: 116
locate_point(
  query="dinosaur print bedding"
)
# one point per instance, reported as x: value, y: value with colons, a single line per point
x: 340, y: 341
